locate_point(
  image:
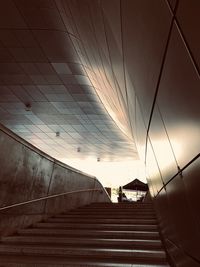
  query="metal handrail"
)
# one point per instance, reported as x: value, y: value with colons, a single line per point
x: 48, y: 197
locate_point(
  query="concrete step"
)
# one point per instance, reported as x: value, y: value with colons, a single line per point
x: 91, y: 233
x: 153, y: 255
x: 108, y: 216
x: 119, y: 205
x: 129, y: 207
x: 51, y: 261
x: 102, y: 226
x: 116, y: 208
x: 79, y: 242
x: 125, y: 205
x: 104, y: 220
x: 115, y: 235
x: 112, y: 213
x: 113, y: 210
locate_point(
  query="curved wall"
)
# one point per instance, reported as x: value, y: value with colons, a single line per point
x: 26, y: 173
x: 151, y: 50
x: 165, y: 72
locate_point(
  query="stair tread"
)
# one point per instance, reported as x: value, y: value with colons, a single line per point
x: 123, y: 243
x: 81, y: 251
x: 63, y: 225
x: 122, y: 210
x: 65, y: 232
x: 125, y: 235
x: 87, y: 231
x: 27, y: 261
x: 105, y: 220
x: 109, y: 216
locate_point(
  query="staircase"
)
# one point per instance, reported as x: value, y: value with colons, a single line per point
x: 101, y: 234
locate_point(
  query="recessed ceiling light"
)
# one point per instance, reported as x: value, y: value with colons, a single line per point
x: 28, y: 106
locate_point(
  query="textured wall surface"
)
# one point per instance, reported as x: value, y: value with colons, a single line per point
x: 26, y: 173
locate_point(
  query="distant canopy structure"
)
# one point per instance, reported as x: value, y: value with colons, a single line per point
x: 136, y: 185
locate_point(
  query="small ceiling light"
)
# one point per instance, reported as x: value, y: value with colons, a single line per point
x: 57, y: 134
x: 78, y: 149
x: 98, y: 159
x: 28, y: 106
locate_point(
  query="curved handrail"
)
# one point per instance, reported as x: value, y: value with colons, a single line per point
x: 48, y: 197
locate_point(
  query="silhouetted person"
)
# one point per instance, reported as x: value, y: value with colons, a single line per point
x: 120, y: 194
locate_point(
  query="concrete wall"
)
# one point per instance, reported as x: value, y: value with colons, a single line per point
x: 26, y: 173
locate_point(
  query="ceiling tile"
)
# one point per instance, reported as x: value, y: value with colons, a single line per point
x: 5, y: 55
x: 79, y: 128
x: 83, y: 80
x: 34, y: 92
x: 52, y: 79
x: 59, y: 97
x: 38, y: 79
x: 33, y: 128
x: 61, y: 68
x: 10, y: 17
x: 35, y: 54
x: 68, y: 79
x: 77, y: 68
x: 9, y: 39
x: 30, y: 68
x: 34, y: 119
x: 21, y: 93
x: 41, y: 18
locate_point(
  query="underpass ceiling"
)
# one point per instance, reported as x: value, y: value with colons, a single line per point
x: 58, y: 84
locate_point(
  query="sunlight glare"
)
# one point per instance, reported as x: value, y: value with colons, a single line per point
x: 110, y: 174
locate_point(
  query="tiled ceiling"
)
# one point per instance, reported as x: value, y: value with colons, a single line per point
x: 58, y: 89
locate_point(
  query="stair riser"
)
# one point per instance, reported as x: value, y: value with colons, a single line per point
x: 97, y: 226
x: 119, y: 221
x: 138, y: 217
x: 77, y: 242
x: 104, y: 253
x: 125, y: 207
x: 68, y: 263
x: 100, y: 235
x: 111, y: 213
x: 131, y: 204
x: 116, y: 208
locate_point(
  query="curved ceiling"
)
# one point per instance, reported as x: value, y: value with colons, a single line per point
x: 62, y: 78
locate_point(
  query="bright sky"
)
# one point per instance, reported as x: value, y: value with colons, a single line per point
x: 110, y: 174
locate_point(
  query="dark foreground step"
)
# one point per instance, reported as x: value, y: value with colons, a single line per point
x: 90, y: 242
x: 50, y: 261
x: 91, y: 233
x: 98, y: 253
